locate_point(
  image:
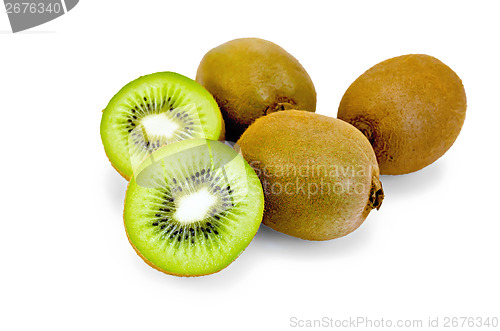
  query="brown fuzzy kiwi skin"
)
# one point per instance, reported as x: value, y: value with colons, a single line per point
x: 300, y: 140
x: 251, y: 77
x: 411, y: 108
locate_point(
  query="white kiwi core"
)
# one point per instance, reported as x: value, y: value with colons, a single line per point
x: 159, y: 125
x: 195, y: 206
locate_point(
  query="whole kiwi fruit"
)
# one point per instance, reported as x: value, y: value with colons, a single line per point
x: 319, y: 174
x: 252, y: 77
x: 411, y: 108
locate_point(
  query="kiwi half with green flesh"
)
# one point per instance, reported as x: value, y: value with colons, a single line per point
x: 251, y: 77
x: 410, y: 107
x: 192, y: 207
x: 319, y: 174
x: 155, y: 110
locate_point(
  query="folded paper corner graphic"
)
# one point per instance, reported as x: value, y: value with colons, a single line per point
x: 26, y: 14
x: 70, y: 4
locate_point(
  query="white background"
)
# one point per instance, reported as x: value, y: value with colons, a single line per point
x: 430, y: 251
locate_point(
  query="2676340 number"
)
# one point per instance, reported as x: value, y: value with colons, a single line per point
x: 32, y: 8
x: 471, y: 322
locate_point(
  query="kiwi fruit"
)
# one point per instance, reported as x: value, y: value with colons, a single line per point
x: 252, y: 77
x: 192, y: 207
x: 411, y: 108
x: 155, y: 110
x: 319, y: 174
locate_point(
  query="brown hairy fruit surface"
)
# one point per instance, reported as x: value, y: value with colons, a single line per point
x: 250, y: 78
x: 319, y: 174
x: 411, y: 108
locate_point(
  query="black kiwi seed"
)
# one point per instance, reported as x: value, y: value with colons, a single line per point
x: 163, y: 226
x: 209, y: 231
x: 193, y: 177
x: 155, y: 223
x: 157, y: 215
x: 179, y: 238
x: 217, y: 217
x: 203, y: 171
x: 145, y: 99
x: 215, y: 231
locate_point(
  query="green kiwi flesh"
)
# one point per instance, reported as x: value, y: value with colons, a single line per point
x: 410, y: 107
x: 319, y: 174
x: 155, y: 110
x: 251, y: 77
x: 192, y: 207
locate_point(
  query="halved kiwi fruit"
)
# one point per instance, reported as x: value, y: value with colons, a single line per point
x: 192, y: 207
x: 155, y: 110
